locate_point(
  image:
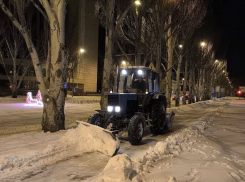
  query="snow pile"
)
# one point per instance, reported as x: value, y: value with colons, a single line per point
x: 90, y: 138
x: 119, y: 167
x: 85, y: 138
x: 172, y: 179
x: 122, y: 168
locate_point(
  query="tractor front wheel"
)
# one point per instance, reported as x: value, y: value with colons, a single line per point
x: 136, y: 129
x: 96, y: 119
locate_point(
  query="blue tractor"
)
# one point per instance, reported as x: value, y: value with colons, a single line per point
x: 136, y: 104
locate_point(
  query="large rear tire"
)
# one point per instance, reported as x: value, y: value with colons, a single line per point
x: 136, y: 129
x: 158, y: 116
x: 96, y: 119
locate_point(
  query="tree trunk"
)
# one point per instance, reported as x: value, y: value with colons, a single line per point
x: 14, y: 91
x: 198, y: 85
x: 191, y: 89
x: 169, y: 73
x: 178, y: 82
x: 53, y: 113
x: 203, y: 85
x: 159, y: 56
x: 138, y: 41
x: 108, y: 62
x: 185, y: 82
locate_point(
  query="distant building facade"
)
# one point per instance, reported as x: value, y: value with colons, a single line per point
x: 85, y: 35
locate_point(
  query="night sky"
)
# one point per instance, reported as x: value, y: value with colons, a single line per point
x: 225, y: 27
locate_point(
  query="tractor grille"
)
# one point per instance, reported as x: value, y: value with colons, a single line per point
x: 113, y: 100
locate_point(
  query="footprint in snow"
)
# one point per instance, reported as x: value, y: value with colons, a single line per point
x: 236, y: 177
x: 241, y: 172
x: 227, y: 158
x: 213, y: 156
x: 204, y: 164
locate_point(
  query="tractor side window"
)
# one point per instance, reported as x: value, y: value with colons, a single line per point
x: 150, y: 83
x: 129, y: 82
x: 121, y: 83
x: 156, y: 84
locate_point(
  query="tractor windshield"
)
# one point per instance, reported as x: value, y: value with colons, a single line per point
x: 132, y: 81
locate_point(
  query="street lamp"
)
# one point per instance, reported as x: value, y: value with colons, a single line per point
x: 180, y: 46
x: 203, y: 44
x: 124, y: 63
x: 216, y: 61
x: 137, y: 3
x: 82, y: 50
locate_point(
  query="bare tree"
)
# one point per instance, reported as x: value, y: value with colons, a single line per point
x: 16, y: 62
x: 192, y: 12
x: 111, y: 21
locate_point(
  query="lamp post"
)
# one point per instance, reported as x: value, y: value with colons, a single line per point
x: 178, y: 77
x: 201, y: 79
x: 81, y: 51
x: 137, y: 4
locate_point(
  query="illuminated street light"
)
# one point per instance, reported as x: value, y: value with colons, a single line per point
x: 82, y: 50
x: 223, y: 71
x: 183, y: 79
x: 124, y: 63
x: 203, y: 44
x: 216, y: 61
x: 137, y: 3
x: 180, y: 46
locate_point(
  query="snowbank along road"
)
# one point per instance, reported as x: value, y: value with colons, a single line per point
x: 206, y: 143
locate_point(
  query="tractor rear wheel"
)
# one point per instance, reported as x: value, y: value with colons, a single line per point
x: 158, y: 116
x: 136, y: 129
x: 96, y: 119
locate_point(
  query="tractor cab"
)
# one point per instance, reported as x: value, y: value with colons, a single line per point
x: 137, y: 80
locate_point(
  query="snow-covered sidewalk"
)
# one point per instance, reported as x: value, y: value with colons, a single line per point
x: 187, y: 153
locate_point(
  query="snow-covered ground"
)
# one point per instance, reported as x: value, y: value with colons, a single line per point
x: 22, y: 117
x: 206, y: 143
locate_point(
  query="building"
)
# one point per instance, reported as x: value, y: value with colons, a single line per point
x: 85, y: 35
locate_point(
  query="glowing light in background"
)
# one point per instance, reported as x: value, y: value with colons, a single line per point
x: 37, y: 101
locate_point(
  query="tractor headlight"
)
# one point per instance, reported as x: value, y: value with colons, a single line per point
x: 140, y: 72
x: 109, y: 108
x: 124, y: 72
x: 117, y: 108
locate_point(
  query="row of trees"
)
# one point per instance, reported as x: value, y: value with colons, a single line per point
x: 163, y: 33
x: 143, y: 32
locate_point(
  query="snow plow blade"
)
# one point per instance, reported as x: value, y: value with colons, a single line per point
x: 102, y: 140
x: 170, y: 118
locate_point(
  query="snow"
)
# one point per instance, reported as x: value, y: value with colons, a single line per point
x: 90, y: 138
x: 123, y: 168
x: 119, y: 167
x: 206, y: 143
x: 85, y: 138
x: 170, y: 155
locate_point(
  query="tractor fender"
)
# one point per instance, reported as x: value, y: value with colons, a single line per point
x: 101, y: 112
x: 156, y: 96
x: 161, y: 97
